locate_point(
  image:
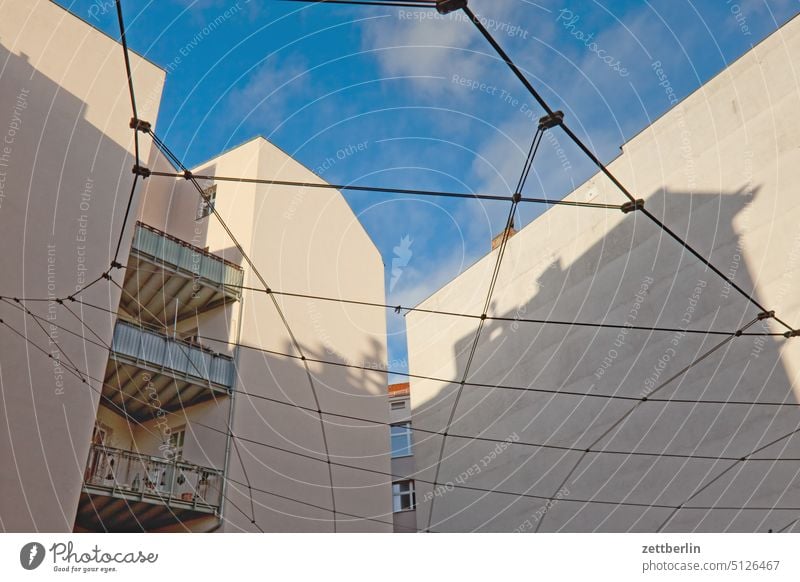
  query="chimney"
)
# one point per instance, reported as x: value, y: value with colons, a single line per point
x: 498, y: 240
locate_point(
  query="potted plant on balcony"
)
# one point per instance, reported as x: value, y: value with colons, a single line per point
x: 186, y: 493
x: 109, y: 479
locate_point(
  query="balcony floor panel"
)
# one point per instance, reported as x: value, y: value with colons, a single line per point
x: 140, y: 393
x: 115, y: 511
x: 151, y: 291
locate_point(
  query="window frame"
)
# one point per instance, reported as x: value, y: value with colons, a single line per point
x: 398, y: 494
x: 177, y: 442
x: 208, y: 201
x: 409, y: 444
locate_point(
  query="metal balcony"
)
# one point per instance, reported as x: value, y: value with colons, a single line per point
x: 169, y: 279
x: 149, y: 371
x: 125, y: 491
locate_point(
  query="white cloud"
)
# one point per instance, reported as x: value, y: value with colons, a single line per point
x: 594, y: 98
x: 271, y: 92
x: 420, y: 43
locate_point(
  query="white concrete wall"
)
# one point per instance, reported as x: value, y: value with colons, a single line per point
x: 722, y: 170
x: 65, y: 178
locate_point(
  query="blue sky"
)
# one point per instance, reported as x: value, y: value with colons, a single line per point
x: 390, y: 96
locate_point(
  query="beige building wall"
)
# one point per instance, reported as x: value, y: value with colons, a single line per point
x: 301, y: 241
x: 721, y: 169
x: 304, y: 241
x: 64, y: 100
x: 65, y: 175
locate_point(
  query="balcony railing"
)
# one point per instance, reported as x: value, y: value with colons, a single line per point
x: 131, y: 475
x: 137, y: 345
x: 188, y: 259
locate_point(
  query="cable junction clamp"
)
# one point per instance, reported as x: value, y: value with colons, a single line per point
x: 140, y: 125
x: 793, y: 333
x: 766, y: 315
x: 632, y: 206
x: 551, y: 120
x: 141, y: 171
x: 448, y: 6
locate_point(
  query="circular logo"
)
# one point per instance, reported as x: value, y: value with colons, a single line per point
x: 31, y: 555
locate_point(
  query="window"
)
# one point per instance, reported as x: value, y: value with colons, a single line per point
x: 176, y: 439
x: 207, y: 204
x: 99, y: 435
x: 401, y: 439
x: 403, y: 498
x: 400, y: 405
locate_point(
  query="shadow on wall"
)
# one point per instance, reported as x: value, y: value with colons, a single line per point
x: 279, y: 477
x: 634, y: 275
x: 65, y: 182
x: 174, y: 205
x: 64, y: 185
x: 290, y: 492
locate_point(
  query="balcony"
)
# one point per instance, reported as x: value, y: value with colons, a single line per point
x: 169, y: 279
x: 124, y: 491
x: 148, y: 370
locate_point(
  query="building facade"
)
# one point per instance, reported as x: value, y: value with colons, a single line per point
x: 720, y: 169
x: 404, y: 499
x: 176, y: 394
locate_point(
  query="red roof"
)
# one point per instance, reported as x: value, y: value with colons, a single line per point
x: 401, y: 389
